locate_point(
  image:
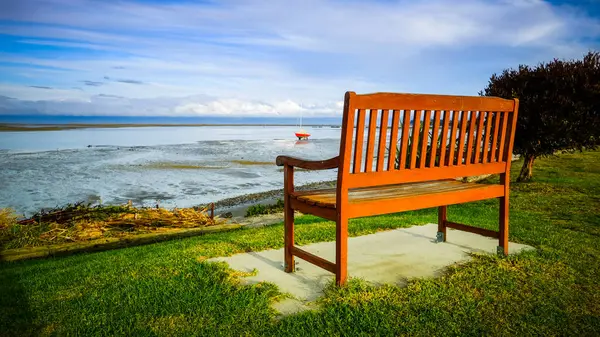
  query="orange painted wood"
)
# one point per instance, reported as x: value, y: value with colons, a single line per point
x: 452, y: 144
x: 394, y: 139
x: 437, y: 173
x: 494, y: 148
x: 432, y: 102
x: 358, y: 146
x: 486, y: 138
x: 479, y: 135
x: 288, y: 219
x: 425, y: 138
x: 371, y: 140
x: 510, y: 134
x: 359, y: 194
x: 435, y: 138
x: 309, y: 257
x: 327, y: 197
x: 472, y: 135
x: 444, y: 142
x: 323, y: 212
x: 347, y: 137
x: 503, y: 216
x: 461, y: 139
x: 416, y: 130
x: 404, y: 140
x: 341, y: 248
x: 471, y: 229
x: 442, y: 217
x: 502, y: 136
x: 505, y: 180
x: 308, y: 164
x: 423, y: 201
x: 383, y: 127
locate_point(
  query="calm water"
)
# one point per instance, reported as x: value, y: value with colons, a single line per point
x: 146, y: 165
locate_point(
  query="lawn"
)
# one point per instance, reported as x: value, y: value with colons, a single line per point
x: 168, y: 289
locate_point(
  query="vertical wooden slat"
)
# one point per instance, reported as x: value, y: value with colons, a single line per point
x: 464, y: 119
x: 495, y: 138
x: 383, y: 127
x: 394, y: 139
x: 371, y: 140
x: 358, y: 145
x: 453, y: 138
x: 434, y: 139
x: 473, y: 120
x: 444, y: 138
x: 502, y: 136
x: 425, y: 138
x: 479, y: 134
x: 510, y: 130
x: 486, y: 139
x: 404, y: 140
x: 415, y: 138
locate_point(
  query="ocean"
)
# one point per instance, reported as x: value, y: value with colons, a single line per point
x: 172, y: 166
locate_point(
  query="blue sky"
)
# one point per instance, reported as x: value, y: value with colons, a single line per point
x: 268, y: 58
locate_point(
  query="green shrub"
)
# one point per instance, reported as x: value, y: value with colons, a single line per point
x: 265, y: 209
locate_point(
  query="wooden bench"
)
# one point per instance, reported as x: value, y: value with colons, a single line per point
x: 387, y: 164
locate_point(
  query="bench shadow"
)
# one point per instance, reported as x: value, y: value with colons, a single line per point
x: 434, y: 240
x: 277, y: 263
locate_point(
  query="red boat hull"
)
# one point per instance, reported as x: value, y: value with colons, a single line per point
x: 302, y: 135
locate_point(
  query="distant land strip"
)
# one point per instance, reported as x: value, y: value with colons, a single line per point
x: 7, y: 127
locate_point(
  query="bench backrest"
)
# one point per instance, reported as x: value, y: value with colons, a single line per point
x: 391, y: 138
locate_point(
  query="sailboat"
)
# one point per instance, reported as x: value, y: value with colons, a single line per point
x: 302, y: 134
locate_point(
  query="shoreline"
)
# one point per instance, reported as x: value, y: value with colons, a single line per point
x: 237, y: 205
x: 18, y: 127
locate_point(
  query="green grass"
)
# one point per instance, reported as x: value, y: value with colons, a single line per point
x: 168, y: 289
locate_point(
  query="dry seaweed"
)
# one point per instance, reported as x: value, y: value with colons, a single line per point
x: 79, y: 222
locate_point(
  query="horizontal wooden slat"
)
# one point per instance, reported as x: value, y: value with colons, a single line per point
x: 424, y: 201
x: 326, y: 213
x: 312, y: 258
x: 427, y: 174
x: 404, y: 194
x: 471, y: 229
x: 384, y: 100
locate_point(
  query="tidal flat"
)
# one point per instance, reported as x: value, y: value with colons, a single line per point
x: 170, y: 166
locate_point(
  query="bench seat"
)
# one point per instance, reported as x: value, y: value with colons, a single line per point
x: 326, y: 197
x: 399, y: 197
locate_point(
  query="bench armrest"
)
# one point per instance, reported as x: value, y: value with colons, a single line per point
x: 308, y: 164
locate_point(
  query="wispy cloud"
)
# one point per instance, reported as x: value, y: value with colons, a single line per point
x: 260, y: 57
x: 93, y: 83
x: 40, y: 87
x: 130, y: 81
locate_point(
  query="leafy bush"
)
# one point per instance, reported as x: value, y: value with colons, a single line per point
x: 265, y: 209
x: 559, y: 106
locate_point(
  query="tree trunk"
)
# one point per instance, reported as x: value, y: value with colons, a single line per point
x: 526, y: 170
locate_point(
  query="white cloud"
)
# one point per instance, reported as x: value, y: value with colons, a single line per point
x: 275, y: 57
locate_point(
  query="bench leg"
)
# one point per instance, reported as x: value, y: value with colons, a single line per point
x: 442, y: 217
x: 503, y: 232
x: 341, y: 250
x: 288, y: 236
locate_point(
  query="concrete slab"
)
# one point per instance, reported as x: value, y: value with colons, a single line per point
x: 391, y: 257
